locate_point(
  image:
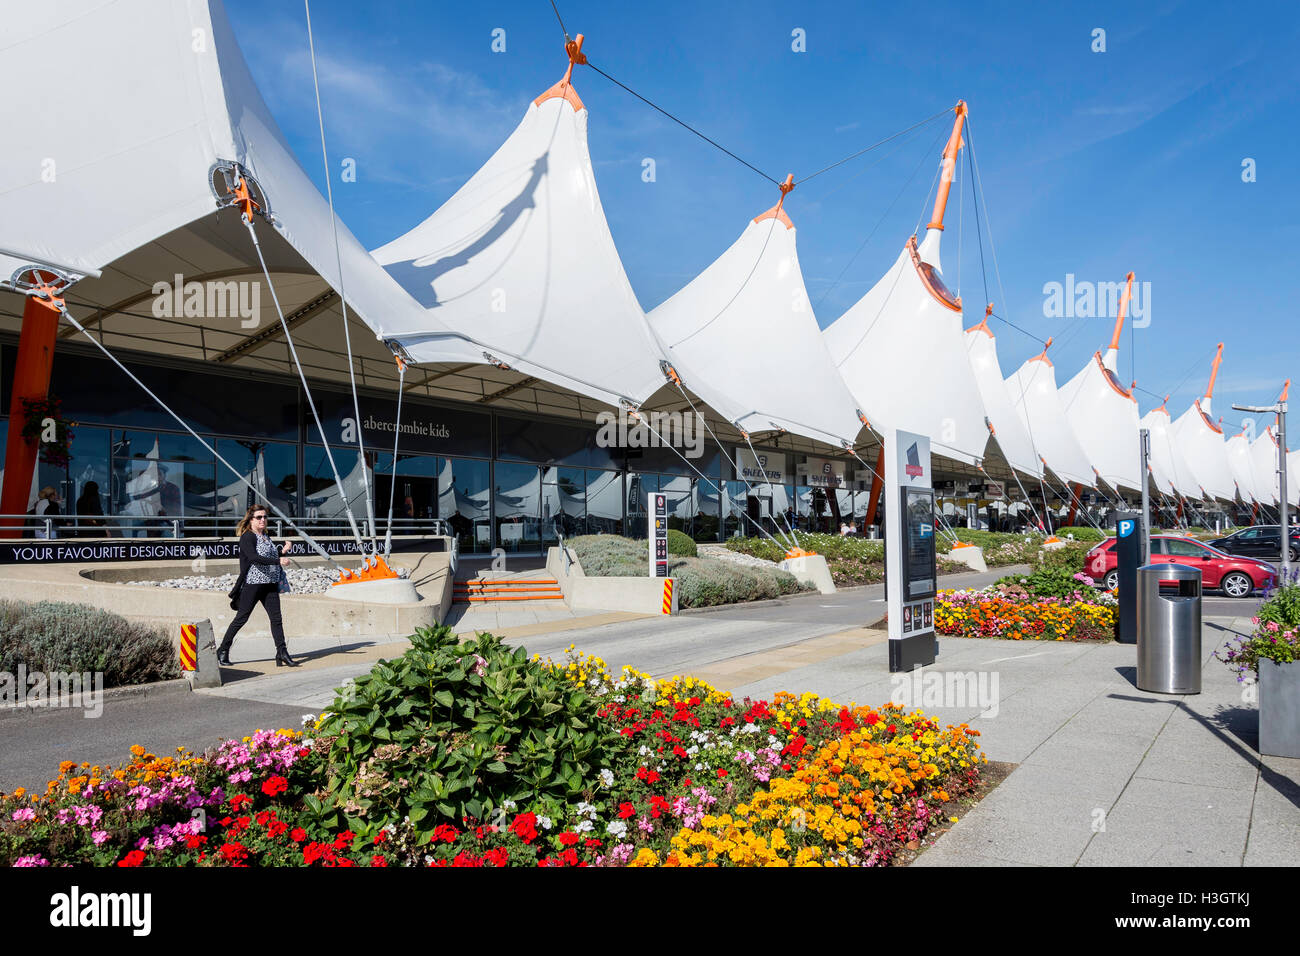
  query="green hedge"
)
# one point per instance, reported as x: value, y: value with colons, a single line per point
x: 52, y: 636
x: 681, y: 544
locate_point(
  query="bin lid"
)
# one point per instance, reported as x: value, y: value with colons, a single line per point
x: 1170, y: 572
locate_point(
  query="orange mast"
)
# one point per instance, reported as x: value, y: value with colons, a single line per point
x: 949, y: 167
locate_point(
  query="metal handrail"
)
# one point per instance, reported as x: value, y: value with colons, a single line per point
x: 200, y: 525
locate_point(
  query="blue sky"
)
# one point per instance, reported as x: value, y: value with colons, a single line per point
x: 1092, y: 163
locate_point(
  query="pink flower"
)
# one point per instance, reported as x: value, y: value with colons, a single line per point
x: 25, y: 813
x: 99, y: 836
x: 34, y: 860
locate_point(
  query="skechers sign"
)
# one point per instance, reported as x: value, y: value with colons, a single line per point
x: 765, y: 466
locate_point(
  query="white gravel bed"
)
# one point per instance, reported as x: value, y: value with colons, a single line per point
x: 726, y: 554
x: 301, y: 581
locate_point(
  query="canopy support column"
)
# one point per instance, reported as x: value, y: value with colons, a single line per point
x: 877, y: 483
x: 1074, y: 504
x: 31, y: 383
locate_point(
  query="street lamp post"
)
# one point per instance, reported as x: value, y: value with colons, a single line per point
x: 1279, y: 409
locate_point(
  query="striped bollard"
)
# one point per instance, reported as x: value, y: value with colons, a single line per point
x: 199, y: 655
x: 670, y: 597
x: 189, y: 648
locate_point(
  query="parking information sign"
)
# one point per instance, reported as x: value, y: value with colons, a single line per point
x: 658, y: 520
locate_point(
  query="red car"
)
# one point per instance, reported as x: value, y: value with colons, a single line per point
x: 1234, y: 575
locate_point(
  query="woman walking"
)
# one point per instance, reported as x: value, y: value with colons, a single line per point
x: 261, y: 569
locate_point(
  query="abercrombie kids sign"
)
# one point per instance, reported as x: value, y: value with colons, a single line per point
x: 424, y: 429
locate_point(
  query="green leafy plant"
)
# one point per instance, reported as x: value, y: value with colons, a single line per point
x: 1282, y: 607
x: 452, y: 730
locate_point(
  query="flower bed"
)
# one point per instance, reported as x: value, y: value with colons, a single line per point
x: 1012, y: 613
x: 1276, y: 635
x: 670, y: 772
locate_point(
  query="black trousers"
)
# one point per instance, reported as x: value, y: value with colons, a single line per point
x: 268, y: 595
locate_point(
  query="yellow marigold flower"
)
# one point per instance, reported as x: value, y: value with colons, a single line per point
x: 645, y: 857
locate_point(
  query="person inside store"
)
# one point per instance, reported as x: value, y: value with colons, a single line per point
x: 261, y: 574
x: 90, y: 512
x: 47, y: 506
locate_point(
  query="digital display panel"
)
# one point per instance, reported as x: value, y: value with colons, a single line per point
x: 918, y: 543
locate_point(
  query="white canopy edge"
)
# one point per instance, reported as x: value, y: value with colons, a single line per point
x: 1202, y: 446
x: 902, y: 353
x: 1037, y: 401
x: 520, y: 259
x: 137, y: 101
x: 747, y: 319
x: 1104, y: 417
x: 1009, y: 429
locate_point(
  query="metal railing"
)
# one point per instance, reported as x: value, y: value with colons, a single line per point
x: 198, y: 526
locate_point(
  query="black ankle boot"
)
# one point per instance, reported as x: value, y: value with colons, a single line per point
x: 223, y: 656
x: 282, y: 659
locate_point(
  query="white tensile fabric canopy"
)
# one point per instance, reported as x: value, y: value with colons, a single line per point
x: 1104, y: 417
x: 1201, y: 443
x: 748, y: 320
x: 902, y: 353
x: 1009, y: 430
x: 1239, y: 466
x: 1293, y: 477
x: 1170, y: 471
x: 1034, y: 395
x: 132, y: 105
x: 1263, y: 467
x: 521, y: 260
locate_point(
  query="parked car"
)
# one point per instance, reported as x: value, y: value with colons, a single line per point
x: 1261, y: 541
x: 1234, y: 575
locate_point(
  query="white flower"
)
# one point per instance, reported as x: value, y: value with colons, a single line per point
x: 617, y: 828
x: 699, y: 766
x: 584, y: 826
x: 607, y: 777
x: 509, y: 805
x: 586, y: 809
x: 545, y: 823
x: 308, y: 719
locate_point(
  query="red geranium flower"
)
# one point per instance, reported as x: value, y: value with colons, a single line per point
x: 445, y: 833
x: 344, y: 840
x: 497, y: 857
x: 466, y: 859
x: 298, y: 835
x: 721, y: 773
x: 134, y: 858
x: 275, y: 786
x: 626, y: 811
x: 569, y: 838
x: 525, y: 827
x: 239, y: 800
x: 378, y: 860
x: 234, y: 853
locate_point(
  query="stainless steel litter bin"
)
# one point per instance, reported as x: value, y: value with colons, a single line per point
x: 1169, y: 629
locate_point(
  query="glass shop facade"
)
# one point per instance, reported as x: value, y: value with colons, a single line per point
x: 496, y: 478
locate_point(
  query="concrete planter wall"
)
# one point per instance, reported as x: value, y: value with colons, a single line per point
x: 1279, y: 708
x: 583, y: 593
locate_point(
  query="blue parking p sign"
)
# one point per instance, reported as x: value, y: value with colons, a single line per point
x: 1125, y: 527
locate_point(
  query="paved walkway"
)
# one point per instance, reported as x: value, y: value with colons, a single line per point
x: 1108, y: 775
